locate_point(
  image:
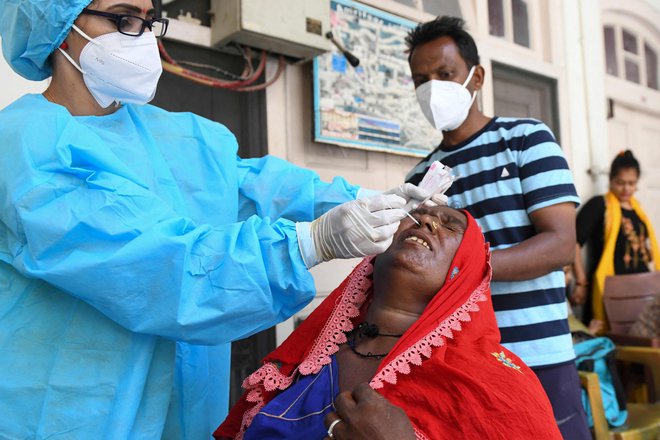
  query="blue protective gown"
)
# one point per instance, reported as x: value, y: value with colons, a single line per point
x: 133, y: 248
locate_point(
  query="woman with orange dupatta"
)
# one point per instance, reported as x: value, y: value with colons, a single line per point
x: 620, y: 236
x: 416, y: 323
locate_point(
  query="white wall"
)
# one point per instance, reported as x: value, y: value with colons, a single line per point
x: 13, y: 86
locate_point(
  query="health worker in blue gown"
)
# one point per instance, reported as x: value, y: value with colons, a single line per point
x: 134, y: 244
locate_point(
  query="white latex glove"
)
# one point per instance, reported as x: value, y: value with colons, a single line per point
x: 437, y: 200
x: 355, y: 229
x: 413, y: 194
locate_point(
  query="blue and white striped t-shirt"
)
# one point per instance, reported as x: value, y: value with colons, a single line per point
x: 507, y: 170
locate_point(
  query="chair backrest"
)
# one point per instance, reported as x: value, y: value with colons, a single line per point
x: 591, y: 385
x: 626, y: 295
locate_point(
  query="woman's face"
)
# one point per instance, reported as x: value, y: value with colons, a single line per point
x: 425, y: 251
x: 95, y: 26
x: 624, y: 184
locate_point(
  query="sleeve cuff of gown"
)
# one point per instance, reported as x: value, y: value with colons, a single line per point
x: 363, y: 193
x: 306, y: 244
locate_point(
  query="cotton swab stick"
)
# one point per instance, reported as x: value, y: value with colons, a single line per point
x: 413, y: 219
x: 408, y: 214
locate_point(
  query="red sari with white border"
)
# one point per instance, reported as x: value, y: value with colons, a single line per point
x: 448, y: 371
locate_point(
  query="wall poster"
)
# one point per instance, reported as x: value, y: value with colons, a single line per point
x: 372, y: 106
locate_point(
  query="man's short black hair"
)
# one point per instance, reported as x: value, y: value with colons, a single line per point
x: 445, y: 26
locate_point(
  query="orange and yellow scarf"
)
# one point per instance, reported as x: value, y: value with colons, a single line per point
x: 606, y: 264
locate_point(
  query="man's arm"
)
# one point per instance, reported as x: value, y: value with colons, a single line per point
x: 579, y: 294
x: 552, y: 247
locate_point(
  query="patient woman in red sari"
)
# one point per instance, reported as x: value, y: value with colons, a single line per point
x: 416, y: 324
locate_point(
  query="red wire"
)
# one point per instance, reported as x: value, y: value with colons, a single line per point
x: 280, y: 68
x: 175, y: 68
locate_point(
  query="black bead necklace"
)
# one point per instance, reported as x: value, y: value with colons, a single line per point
x: 365, y: 329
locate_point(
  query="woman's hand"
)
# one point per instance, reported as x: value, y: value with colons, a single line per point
x: 579, y: 294
x: 354, y: 229
x: 366, y: 415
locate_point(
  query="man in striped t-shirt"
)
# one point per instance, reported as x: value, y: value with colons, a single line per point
x: 514, y: 180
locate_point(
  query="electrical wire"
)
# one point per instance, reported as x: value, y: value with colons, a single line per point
x: 247, y: 56
x: 249, y: 76
x: 281, y: 64
x: 216, y: 69
x: 210, y: 81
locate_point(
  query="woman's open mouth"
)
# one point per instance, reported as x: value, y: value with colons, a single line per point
x: 418, y: 240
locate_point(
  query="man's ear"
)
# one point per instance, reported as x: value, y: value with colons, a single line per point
x: 478, y: 77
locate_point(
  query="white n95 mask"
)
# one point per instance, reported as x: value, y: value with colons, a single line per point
x: 120, y: 68
x: 445, y: 103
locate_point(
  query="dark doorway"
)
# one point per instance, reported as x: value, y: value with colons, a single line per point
x: 523, y: 94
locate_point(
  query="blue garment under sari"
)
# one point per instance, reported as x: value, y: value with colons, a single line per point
x: 299, y: 410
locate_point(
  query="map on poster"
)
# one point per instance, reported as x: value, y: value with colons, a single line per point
x: 372, y: 106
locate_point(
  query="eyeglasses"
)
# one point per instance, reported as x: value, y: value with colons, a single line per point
x: 132, y: 25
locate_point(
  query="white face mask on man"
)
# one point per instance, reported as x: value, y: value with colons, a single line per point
x: 446, y: 103
x: 120, y: 68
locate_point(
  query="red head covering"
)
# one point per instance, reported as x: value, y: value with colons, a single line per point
x: 448, y: 371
